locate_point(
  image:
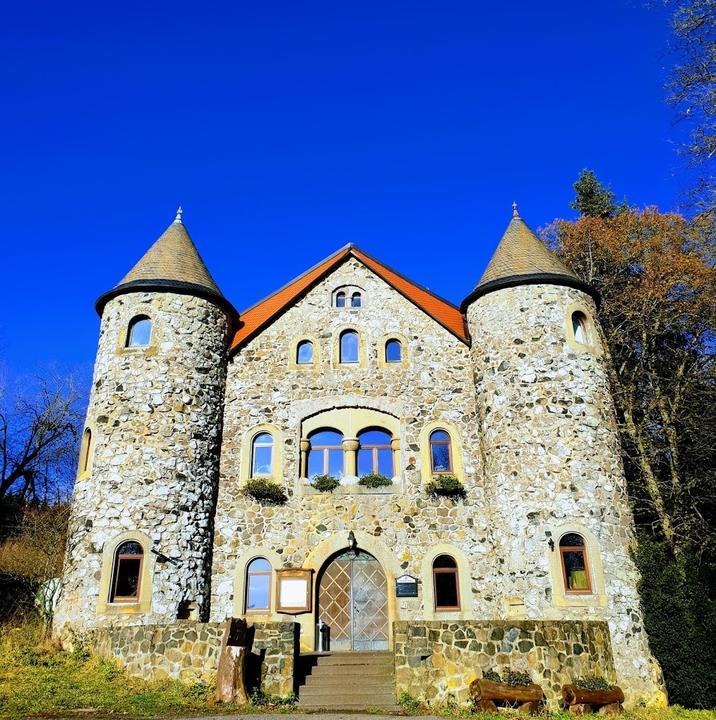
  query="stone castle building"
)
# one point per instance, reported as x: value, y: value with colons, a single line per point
x: 480, y: 517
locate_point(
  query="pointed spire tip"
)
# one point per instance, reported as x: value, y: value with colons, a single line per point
x: 514, y: 210
x: 180, y: 212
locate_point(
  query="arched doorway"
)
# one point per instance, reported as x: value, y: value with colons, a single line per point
x: 353, y: 602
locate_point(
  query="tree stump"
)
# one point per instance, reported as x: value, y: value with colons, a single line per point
x: 485, y: 706
x: 486, y: 695
x: 230, y: 675
x: 531, y: 708
x: 580, y: 700
x: 580, y: 709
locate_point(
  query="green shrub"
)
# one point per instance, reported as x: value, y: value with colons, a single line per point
x: 265, y: 491
x: 408, y: 702
x: 592, y: 682
x: 375, y: 480
x: 325, y: 483
x: 492, y: 676
x: 515, y: 677
x: 263, y: 699
x: 445, y: 486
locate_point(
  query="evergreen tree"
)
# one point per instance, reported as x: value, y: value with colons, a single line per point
x: 592, y: 199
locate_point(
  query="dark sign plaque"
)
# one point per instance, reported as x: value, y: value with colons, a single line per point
x: 406, y: 586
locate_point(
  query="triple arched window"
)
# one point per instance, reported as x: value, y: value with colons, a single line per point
x: 575, y: 569
x: 446, y: 584
x: 127, y: 573
x: 441, y: 461
x: 258, y: 585
x: 262, y: 455
x: 139, y: 331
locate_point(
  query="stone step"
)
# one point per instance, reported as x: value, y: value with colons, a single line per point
x: 328, y: 672
x: 373, y: 659
x: 338, y: 683
x: 354, y: 692
x: 383, y: 707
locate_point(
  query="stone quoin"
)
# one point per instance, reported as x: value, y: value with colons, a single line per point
x: 475, y: 452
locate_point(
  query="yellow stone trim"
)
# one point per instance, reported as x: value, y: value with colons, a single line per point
x: 83, y: 474
x: 362, y: 359
x: 144, y: 604
x: 562, y: 599
x: 276, y: 458
x: 348, y: 289
x: 350, y: 421
x: 314, y: 366
x: 382, y: 362
x: 126, y: 315
x: 464, y: 580
x: 456, y: 450
x: 593, y: 346
x: 242, y: 563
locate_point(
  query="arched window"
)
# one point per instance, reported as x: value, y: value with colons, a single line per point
x: 139, y: 331
x: 375, y: 453
x: 340, y: 299
x: 393, y: 351
x: 304, y: 352
x: 574, y: 564
x: 127, y: 575
x: 580, y: 328
x: 349, y: 347
x: 325, y: 456
x: 85, y: 451
x: 440, y: 452
x: 356, y: 299
x: 258, y: 585
x: 445, y: 583
x: 262, y: 455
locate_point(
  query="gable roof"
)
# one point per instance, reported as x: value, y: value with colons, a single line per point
x: 521, y: 258
x: 259, y: 316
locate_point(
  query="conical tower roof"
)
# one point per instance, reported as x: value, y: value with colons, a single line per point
x: 172, y: 264
x: 521, y: 258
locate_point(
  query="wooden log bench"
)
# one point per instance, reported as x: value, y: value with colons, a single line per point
x: 580, y: 700
x: 486, y: 695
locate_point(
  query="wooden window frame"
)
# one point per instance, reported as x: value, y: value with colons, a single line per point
x: 374, y: 452
x: 130, y: 327
x: 444, y: 571
x: 129, y: 599
x: 341, y: 361
x: 299, y: 345
x: 254, y: 445
x: 385, y: 351
x: 448, y: 442
x: 325, y: 450
x: 249, y: 574
x: 575, y: 548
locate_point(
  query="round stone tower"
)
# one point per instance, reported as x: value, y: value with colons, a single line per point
x: 139, y: 546
x: 552, y: 465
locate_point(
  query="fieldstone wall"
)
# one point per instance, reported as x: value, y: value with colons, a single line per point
x: 155, y: 414
x: 552, y: 464
x: 190, y: 651
x: 435, y: 662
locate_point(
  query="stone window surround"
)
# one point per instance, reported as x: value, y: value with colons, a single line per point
x: 593, y: 346
x: 382, y: 362
x: 127, y: 314
x: 362, y: 359
x: 276, y: 458
x: 350, y: 421
x: 84, y: 466
x: 455, y: 449
x: 144, y: 602
x: 463, y: 576
x: 240, y: 584
x: 315, y: 365
x: 348, y: 289
x: 560, y: 597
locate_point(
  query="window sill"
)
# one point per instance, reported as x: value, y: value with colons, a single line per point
x: 350, y: 486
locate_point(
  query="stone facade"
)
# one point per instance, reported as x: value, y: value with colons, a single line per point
x: 435, y: 662
x: 190, y: 651
x: 155, y: 414
x: 533, y: 440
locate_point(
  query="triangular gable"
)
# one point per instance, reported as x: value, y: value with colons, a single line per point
x: 259, y: 316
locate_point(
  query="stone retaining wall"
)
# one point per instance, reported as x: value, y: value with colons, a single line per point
x: 436, y: 661
x: 190, y: 651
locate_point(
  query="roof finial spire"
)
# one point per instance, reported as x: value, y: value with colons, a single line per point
x: 180, y: 212
x: 514, y: 209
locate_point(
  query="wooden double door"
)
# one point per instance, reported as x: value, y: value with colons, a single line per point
x: 353, y: 603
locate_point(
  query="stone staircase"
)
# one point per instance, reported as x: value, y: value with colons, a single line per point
x: 349, y: 681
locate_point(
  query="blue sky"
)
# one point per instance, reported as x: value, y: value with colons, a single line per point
x: 287, y: 129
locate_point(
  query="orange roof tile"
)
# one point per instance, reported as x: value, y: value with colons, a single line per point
x: 259, y: 316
